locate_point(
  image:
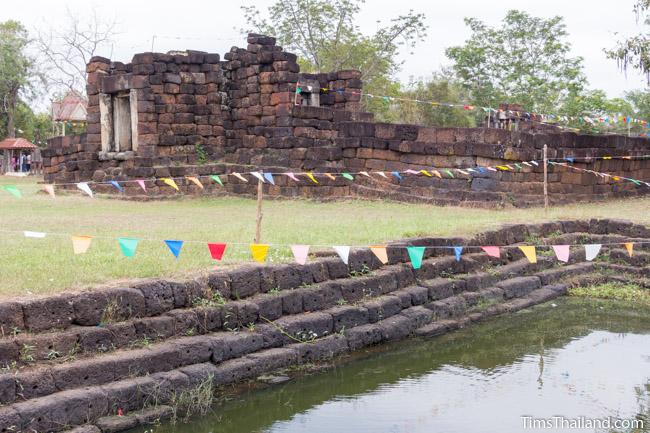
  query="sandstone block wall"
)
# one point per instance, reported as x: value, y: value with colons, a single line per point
x: 194, y: 114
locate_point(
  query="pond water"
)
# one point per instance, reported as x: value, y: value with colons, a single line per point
x: 571, y: 358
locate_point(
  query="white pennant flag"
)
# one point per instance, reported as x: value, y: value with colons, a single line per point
x: 258, y: 175
x: 85, y: 188
x: 36, y: 235
x: 591, y: 251
x: 343, y: 252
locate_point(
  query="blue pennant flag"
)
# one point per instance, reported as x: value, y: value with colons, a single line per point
x: 397, y: 175
x: 481, y: 169
x: 458, y: 251
x: 269, y: 177
x: 175, y: 247
x: 570, y: 159
x: 117, y: 186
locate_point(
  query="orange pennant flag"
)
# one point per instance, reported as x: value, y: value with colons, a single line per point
x: 437, y: 173
x: 196, y: 181
x: 329, y: 175
x: 380, y: 252
x: 629, y: 246
x: 80, y: 244
x: 170, y: 182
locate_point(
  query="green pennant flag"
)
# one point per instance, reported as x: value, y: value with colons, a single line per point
x: 636, y: 182
x: 518, y: 165
x: 449, y: 173
x: 128, y: 246
x: 216, y: 179
x: 11, y: 189
x: 416, y: 254
x: 348, y: 176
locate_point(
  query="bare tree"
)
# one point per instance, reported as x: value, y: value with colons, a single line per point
x: 66, y: 50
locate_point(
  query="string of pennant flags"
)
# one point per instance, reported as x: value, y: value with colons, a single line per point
x: 600, y: 174
x: 128, y: 246
x: 545, y: 118
x: 313, y: 177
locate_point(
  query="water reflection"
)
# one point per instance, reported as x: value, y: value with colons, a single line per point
x: 581, y: 358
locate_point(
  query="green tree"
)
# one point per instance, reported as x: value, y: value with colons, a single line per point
x: 17, y: 71
x: 595, y: 104
x: 326, y: 38
x: 524, y: 60
x: 634, y: 51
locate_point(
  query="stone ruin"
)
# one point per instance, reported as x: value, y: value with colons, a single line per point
x: 192, y: 114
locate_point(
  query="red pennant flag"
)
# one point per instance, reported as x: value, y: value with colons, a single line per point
x: 217, y: 250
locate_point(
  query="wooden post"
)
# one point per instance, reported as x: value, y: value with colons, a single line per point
x: 545, y: 177
x: 258, y: 219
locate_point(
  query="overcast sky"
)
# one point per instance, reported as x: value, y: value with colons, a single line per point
x: 213, y: 26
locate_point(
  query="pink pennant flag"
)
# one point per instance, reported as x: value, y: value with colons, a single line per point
x: 292, y: 176
x: 492, y: 251
x: 49, y: 188
x: 300, y: 253
x: 562, y: 252
x: 142, y: 185
x: 83, y: 186
x: 410, y: 171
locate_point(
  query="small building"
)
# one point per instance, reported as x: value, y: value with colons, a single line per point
x: 18, y: 156
x: 71, y: 109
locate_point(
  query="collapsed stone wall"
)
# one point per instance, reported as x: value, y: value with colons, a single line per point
x: 193, y: 114
x: 77, y: 358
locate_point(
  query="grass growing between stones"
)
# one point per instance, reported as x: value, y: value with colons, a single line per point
x: 194, y: 401
x: 45, y: 266
x: 613, y: 290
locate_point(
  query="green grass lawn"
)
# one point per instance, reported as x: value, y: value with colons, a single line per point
x: 41, y: 266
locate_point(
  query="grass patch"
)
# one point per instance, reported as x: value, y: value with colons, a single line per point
x: 46, y: 266
x: 613, y: 290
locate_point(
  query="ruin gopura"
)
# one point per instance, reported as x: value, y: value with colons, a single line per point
x: 192, y: 114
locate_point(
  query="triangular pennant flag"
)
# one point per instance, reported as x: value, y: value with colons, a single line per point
x: 416, y: 254
x: 128, y: 246
x: 259, y: 252
x: 591, y: 251
x: 437, y: 173
x: 292, y: 176
x: 562, y: 252
x: 269, y: 177
x: 449, y: 173
x: 300, y: 253
x: 80, y: 244
x: 142, y: 185
x: 217, y: 250
x: 382, y: 174
x: 492, y: 251
x: 311, y: 176
x: 174, y: 247
x: 364, y: 173
x: 258, y: 175
x: 629, y: 246
x: 117, y: 186
x: 411, y: 171
x: 343, y: 252
x: 83, y: 186
x: 216, y: 178
x: 426, y: 173
x: 36, y: 235
x: 530, y: 252
x: 396, y: 174
x: 380, y: 252
x: 49, y: 188
x: 330, y: 176
x: 171, y: 183
x: 195, y: 181
x: 348, y: 176
x: 11, y: 189
x: 240, y: 177
x: 457, y: 252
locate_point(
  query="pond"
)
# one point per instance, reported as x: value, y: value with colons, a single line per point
x: 576, y: 359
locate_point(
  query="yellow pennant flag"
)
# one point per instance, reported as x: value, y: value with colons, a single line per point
x: 80, y: 244
x: 329, y: 175
x: 380, y: 252
x: 170, y: 182
x: 311, y: 176
x: 530, y: 253
x: 629, y: 246
x: 196, y: 181
x: 259, y: 252
x: 426, y: 173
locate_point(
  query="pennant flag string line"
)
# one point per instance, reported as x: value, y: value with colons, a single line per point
x: 613, y: 177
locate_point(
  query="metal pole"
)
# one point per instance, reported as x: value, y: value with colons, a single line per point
x: 545, y: 177
x: 258, y: 219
